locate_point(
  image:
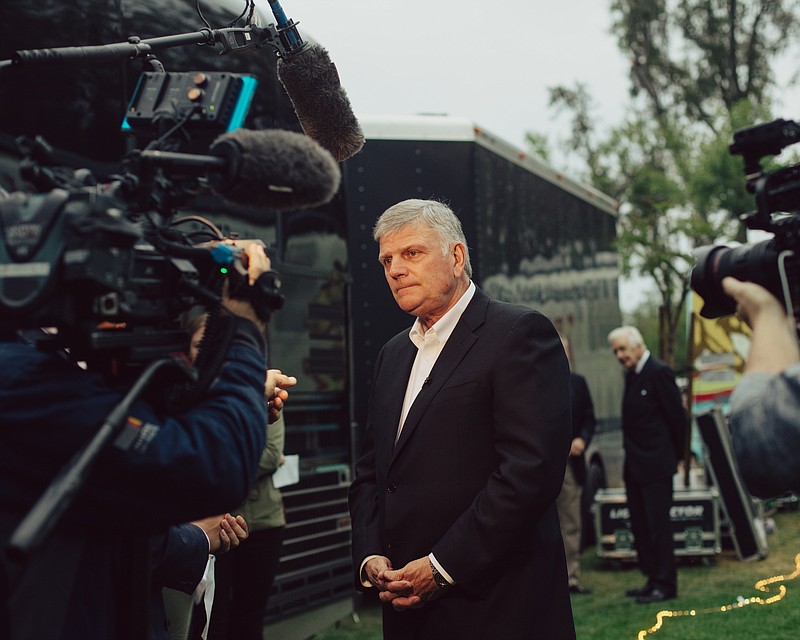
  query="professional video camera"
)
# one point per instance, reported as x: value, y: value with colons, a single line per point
x: 773, y: 263
x: 110, y: 265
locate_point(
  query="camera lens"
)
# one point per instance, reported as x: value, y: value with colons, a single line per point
x: 752, y: 263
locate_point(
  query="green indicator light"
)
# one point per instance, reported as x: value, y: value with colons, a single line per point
x: 223, y: 270
x: 211, y: 107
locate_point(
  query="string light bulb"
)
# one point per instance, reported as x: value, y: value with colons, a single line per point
x: 741, y: 602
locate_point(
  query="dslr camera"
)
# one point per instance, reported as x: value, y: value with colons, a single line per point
x: 773, y: 263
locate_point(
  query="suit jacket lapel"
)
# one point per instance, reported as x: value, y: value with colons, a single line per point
x: 396, y: 392
x: 630, y: 381
x: 635, y: 381
x: 457, y: 347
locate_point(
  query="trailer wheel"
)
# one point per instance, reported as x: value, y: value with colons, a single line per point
x: 595, y: 480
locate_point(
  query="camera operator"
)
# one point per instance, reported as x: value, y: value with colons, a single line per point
x: 82, y: 583
x: 765, y: 405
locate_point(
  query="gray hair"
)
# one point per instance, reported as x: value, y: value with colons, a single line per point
x: 628, y: 332
x: 436, y: 215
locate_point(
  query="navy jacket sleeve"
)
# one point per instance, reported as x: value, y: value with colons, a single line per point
x: 180, y: 467
x: 179, y: 557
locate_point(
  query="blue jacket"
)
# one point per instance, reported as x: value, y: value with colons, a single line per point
x: 179, y: 468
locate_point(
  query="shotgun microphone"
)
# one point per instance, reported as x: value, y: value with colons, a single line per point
x: 274, y: 169
x: 320, y: 102
x: 314, y: 87
x: 266, y: 169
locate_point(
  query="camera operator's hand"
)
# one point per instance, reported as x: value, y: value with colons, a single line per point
x: 774, y: 343
x: 258, y: 262
x: 275, y: 391
x: 754, y: 302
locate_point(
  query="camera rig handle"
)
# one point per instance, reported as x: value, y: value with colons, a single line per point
x: 774, y: 191
x: 768, y: 139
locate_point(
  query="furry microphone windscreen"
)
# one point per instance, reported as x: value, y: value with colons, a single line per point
x: 275, y: 169
x: 320, y: 102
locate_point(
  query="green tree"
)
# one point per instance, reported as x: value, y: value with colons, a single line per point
x: 689, y: 57
x: 700, y: 69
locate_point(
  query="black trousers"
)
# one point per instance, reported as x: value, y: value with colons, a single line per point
x: 243, y: 580
x: 651, y: 526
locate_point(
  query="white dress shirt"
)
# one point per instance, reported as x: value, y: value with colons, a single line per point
x: 429, y: 347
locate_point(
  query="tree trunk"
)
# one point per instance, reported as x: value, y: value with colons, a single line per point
x: 666, y: 344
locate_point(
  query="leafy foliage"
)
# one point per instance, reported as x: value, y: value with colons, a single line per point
x: 700, y: 70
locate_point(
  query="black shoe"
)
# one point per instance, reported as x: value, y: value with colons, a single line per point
x: 637, y: 592
x: 656, y: 595
x: 576, y: 588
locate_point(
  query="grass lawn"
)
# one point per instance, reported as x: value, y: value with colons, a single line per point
x: 704, y: 587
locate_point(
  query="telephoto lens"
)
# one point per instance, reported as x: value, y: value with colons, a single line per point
x: 751, y: 262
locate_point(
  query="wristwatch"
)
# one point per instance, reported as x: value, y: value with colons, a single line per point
x: 438, y: 578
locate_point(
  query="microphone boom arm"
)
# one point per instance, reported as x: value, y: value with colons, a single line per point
x: 285, y: 40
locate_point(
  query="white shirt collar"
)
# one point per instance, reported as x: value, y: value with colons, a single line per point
x: 445, y: 325
x: 642, y: 361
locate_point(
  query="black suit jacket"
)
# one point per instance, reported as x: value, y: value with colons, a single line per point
x: 584, y: 422
x: 654, y: 423
x: 473, y: 477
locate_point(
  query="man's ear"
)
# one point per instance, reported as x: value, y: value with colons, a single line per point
x: 460, y: 256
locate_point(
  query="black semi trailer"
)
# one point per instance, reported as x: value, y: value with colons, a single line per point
x: 536, y: 238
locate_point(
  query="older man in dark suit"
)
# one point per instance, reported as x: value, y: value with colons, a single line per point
x: 453, y: 504
x: 654, y: 430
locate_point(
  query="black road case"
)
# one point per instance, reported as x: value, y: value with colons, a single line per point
x: 695, y: 523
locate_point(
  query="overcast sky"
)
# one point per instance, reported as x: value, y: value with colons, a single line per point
x: 491, y: 62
